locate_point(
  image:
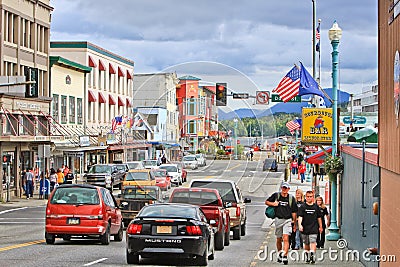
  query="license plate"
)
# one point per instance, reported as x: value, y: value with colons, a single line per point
x: 164, y: 229
x: 73, y: 221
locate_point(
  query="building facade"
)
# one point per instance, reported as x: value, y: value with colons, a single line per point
x: 389, y: 128
x: 24, y: 94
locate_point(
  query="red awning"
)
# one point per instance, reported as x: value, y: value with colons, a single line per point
x: 102, y: 98
x: 91, y: 96
x: 129, y: 75
x: 111, y: 69
x: 101, y: 65
x: 92, y: 63
x: 318, y: 157
x: 111, y: 100
x: 129, y: 103
x: 120, y: 72
x: 120, y: 102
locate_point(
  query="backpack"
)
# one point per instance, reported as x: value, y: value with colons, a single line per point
x: 270, y: 210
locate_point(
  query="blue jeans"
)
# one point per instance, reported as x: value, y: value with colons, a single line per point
x: 298, y: 239
x: 302, y: 177
x: 29, y: 188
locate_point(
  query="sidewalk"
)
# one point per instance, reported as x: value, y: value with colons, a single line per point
x: 16, y: 202
x: 334, y: 253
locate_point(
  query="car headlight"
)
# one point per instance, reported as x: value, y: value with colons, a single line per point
x: 108, y: 179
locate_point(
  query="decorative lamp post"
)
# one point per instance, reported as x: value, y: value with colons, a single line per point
x: 236, y: 146
x: 335, y: 33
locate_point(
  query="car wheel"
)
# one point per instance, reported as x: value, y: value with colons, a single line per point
x: 50, y: 239
x: 219, y: 240
x: 203, y: 260
x: 243, y: 229
x: 105, y: 238
x: 120, y: 235
x: 237, y: 232
x: 227, y: 239
x: 132, y: 258
x: 66, y: 237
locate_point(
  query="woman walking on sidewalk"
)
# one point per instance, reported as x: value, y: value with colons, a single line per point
x: 325, y: 214
x: 296, y: 242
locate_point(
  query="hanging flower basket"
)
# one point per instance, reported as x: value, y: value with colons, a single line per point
x: 334, y: 165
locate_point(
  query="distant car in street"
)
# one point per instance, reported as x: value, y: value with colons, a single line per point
x: 190, y: 161
x: 75, y: 210
x: 270, y: 164
x: 139, y: 178
x: 174, y: 171
x: 201, y: 159
x: 150, y: 163
x: 163, y: 179
x: 179, y: 230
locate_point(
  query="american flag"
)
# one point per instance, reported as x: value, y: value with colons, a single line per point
x: 289, y: 86
x: 318, y: 37
x: 293, y: 125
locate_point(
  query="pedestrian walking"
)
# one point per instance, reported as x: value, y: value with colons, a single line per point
x: 325, y: 215
x: 285, y: 212
x: 294, y: 166
x: 60, y: 177
x: 163, y: 159
x: 302, y: 171
x: 29, y: 179
x: 251, y: 155
x: 310, y: 223
x: 65, y: 171
x: 296, y: 242
x: 53, y: 179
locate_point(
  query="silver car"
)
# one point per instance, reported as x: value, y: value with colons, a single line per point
x: 201, y: 159
x: 190, y: 161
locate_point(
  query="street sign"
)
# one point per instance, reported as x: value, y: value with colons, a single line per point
x: 356, y: 120
x: 277, y: 98
x: 241, y: 96
x: 262, y: 97
x: 291, y: 149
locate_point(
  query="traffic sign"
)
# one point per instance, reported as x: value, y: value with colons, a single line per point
x: 262, y: 97
x: 356, y: 120
x: 241, y: 96
x: 277, y: 98
x: 291, y: 149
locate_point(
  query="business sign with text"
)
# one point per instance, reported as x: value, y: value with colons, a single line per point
x: 317, y: 125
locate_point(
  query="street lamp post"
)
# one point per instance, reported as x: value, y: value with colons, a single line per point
x: 335, y: 33
x: 236, y: 146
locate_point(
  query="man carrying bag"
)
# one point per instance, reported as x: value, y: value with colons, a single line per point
x: 285, y: 216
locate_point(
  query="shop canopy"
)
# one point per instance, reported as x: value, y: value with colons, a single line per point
x: 318, y: 157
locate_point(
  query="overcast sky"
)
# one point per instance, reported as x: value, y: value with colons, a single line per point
x: 251, y: 44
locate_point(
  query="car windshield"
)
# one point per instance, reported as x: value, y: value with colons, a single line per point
x: 198, y: 156
x: 195, y: 197
x: 75, y: 195
x: 140, y: 193
x: 100, y: 169
x: 121, y: 167
x: 133, y: 165
x: 160, y: 173
x: 150, y: 162
x: 165, y: 211
x: 189, y: 158
x: 169, y: 168
x: 224, y: 189
x: 137, y: 176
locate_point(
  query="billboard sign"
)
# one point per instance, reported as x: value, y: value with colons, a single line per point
x: 317, y: 125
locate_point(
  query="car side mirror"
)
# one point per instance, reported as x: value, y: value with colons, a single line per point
x: 123, y: 205
x: 213, y: 221
x: 247, y: 200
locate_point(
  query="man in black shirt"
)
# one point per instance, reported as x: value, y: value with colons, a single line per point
x: 310, y: 223
x: 285, y: 213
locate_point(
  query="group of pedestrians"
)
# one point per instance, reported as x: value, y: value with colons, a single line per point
x: 299, y: 222
x: 298, y: 167
x: 48, y: 180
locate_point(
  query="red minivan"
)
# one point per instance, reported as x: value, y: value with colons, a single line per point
x: 79, y: 211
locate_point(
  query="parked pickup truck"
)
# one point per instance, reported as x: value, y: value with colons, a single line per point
x: 213, y: 207
x: 233, y: 200
x: 134, y: 198
x: 105, y: 175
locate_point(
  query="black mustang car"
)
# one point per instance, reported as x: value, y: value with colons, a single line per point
x: 175, y: 229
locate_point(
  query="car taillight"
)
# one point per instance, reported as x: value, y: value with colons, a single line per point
x: 237, y: 211
x: 134, y: 229
x: 193, y: 230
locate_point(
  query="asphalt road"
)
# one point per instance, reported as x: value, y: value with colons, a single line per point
x: 22, y: 231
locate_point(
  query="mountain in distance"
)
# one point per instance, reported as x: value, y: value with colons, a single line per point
x: 295, y: 107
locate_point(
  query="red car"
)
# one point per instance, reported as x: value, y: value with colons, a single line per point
x: 76, y: 210
x: 163, y: 180
x: 213, y: 207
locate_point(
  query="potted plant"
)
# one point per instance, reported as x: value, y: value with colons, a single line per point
x: 334, y: 164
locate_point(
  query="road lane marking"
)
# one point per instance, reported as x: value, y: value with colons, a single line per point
x: 94, y: 262
x: 234, y: 167
x: 11, y: 210
x: 22, y: 245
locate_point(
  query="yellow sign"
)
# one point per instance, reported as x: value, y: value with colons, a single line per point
x: 317, y: 125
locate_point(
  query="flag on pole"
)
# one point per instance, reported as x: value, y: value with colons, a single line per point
x: 113, y: 125
x: 293, y: 125
x: 317, y: 37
